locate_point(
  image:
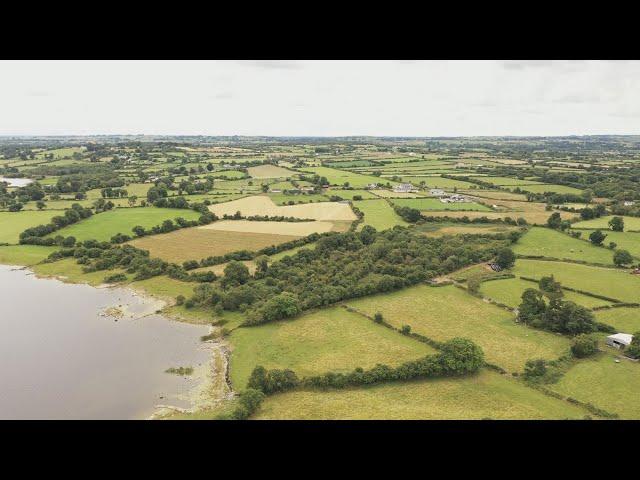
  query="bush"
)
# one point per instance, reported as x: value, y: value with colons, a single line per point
x: 250, y: 400
x: 406, y: 329
x: 583, y: 346
x: 272, y: 381
x: 622, y: 257
x: 378, y: 318
x: 180, y: 299
x: 118, y: 277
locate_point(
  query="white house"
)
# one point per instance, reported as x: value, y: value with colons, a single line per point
x: 629, y: 203
x: 619, y: 340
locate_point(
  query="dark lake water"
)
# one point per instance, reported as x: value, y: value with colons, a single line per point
x: 61, y: 359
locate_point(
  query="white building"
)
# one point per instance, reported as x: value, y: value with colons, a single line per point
x: 436, y: 192
x: 629, y: 204
x: 619, y: 340
x: 404, y: 188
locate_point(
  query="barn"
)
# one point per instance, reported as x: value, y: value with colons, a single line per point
x: 619, y: 340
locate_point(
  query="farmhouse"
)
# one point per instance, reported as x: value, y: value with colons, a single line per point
x: 619, y: 340
x: 629, y: 203
x: 404, y: 188
x: 372, y: 186
x: 436, y: 192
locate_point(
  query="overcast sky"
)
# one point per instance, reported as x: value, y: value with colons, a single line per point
x: 320, y: 98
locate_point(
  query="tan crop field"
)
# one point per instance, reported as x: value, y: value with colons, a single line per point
x: 300, y: 229
x: 197, y: 243
x: 269, y: 171
x: 263, y: 205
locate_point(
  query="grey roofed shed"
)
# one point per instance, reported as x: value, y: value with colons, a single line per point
x: 619, y: 340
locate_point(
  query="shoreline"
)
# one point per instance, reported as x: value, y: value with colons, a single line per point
x: 211, y: 386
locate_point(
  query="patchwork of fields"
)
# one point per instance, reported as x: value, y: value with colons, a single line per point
x: 338, y: 339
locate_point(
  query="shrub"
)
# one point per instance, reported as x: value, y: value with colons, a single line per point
x: 378, y: 318
x: 583, y: 346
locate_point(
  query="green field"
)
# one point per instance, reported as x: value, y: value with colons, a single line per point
x: 24, y: 254
x: 12, y: 224
x: 442, y: 313
x: 339, y: 177
x: 604, y: 383
x: 624, y: 240
x: 509, y: 292
x: 425, y: 204
x: 379, y: 214
x: 437, y: 182
x: 550, y: 188
x: 508, y: 181
x: 103, y: 226
x: 540, y: 241
x: 332, y: 339
x: 630, y: 223
x: 349, y: 194
x: 608, y: 282
x: 486, y: 395
x: 624, y: 319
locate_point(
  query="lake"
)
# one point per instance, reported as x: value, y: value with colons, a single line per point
x: 63, y: 357
x: 16, y: 182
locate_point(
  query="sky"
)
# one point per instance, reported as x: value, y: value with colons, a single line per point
x: 320, y: 98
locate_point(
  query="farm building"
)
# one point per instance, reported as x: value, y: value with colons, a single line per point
x: 436, y: 192
x: 629, y: 203
x: 495, y: 267
x: 455, y: 198
x: 372, y: 186
x: 404, y: 188
x: 619, y: 340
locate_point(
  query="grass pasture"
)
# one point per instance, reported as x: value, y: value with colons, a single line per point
x: 24, y: 254
x: 602, y: 223
x: 483, y: 396
x: 624, y: 319
x: 103, y: 226
x: 331, y: 339
x: 442, y: 313
x: 197, y: 243
x: 550, y: 188
x: 340, y: 177
x: 12, y: 224
x: 604, y: 383
x: 379, y: 214
x: 545, y: 242
x: 426, y: 204
x: 270, y: 171
x: 509, y: 292
x: 609, y: 282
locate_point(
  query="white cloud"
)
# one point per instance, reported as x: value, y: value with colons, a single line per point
x: 315, y: 98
